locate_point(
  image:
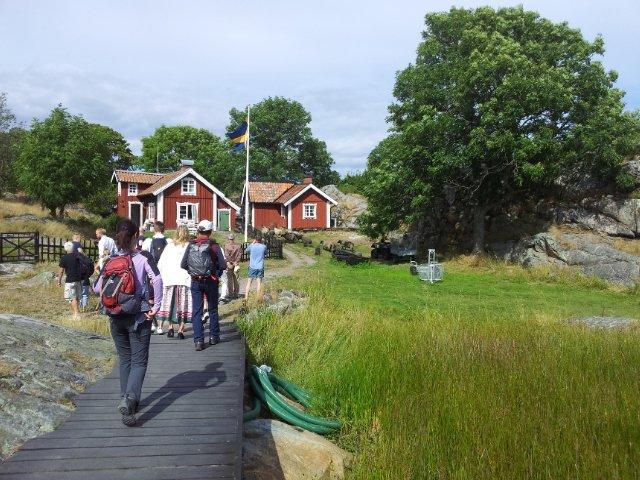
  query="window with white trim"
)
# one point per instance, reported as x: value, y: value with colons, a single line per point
x: 133, y: 189
x: 188, y: 186
x: 187, y: 212
x: 309, y: 210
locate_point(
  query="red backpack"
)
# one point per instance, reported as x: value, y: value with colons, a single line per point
x: 118, y: 293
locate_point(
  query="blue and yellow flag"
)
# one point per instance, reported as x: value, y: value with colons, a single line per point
x: 239, y: 136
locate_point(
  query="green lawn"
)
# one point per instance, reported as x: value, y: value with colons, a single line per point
x: 476, y: 377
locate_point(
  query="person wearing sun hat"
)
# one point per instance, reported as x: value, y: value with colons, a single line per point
x: 204, y: 261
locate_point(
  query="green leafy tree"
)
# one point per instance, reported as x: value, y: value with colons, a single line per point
x: 10, y: 133
x: 64, y: 159
x: 164, y: 149
x: 498, y: 105
x: 282, y: 144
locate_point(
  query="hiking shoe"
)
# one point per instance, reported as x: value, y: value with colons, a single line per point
x: 181, y: 335
x: 129, y: 420
x: 214, y: 340
x: 170, y: 333
x: 159, y: 331
x: 153, y: 328
x: 199, y: 346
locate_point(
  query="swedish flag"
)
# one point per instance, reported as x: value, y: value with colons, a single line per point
x: 239, y: 136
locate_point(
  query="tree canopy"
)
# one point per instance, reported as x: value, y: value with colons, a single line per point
x: 212, y: 158
x: 10, y: 133
x: 64, y: 159
x: 498, y: 105
x: 282, y: 144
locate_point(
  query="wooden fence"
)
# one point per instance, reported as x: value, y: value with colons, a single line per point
x: 33, y: 247
x: 274, y: 250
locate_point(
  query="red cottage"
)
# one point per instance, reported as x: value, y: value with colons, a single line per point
x: 174, y: 198
x: 288, y: 205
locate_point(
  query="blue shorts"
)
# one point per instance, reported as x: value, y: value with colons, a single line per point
x: 256, y: 272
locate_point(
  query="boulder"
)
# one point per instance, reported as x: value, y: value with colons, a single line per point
x: 350, y: 206
x: 594, y: 255
x: 42, y: 367
x: 273, y: 450
x: 14, y: 269
x: 43, y: 278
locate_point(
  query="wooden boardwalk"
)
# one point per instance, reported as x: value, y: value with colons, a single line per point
x: 189, y: 425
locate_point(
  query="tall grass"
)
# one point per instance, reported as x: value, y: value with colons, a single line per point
x: 477, y: 377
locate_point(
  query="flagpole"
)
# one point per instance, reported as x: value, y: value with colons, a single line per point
x: 246, y: 184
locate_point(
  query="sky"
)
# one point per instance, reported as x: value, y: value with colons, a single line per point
x: 136, y: 65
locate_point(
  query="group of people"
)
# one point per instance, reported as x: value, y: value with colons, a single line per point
x: 146, y: 284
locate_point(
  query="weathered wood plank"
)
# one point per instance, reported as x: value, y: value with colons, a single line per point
x: 190, y: 422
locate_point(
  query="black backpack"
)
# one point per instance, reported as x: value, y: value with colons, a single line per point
x: 85, y: 266
x: 157, y: 247
x: 199, y: 260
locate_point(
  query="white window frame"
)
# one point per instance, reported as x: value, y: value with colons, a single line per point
x: 304, y: 210
x: 282, y: 211
x: 151, y: 211
x: 188, y: 181
x: 194, y: 211
x: 141, y: 210
x: 133, y: 189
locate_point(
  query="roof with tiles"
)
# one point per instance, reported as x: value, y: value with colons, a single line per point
x: 268, y: 192
x: 290, y: 193
x: 161, y: 182
x: 138, y: 177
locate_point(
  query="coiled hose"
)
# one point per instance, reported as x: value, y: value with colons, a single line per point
x: 265, y: 393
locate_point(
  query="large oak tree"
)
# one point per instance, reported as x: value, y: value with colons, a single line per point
x: 498, y: 105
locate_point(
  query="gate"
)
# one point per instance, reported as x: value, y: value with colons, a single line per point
x: 19, y: 247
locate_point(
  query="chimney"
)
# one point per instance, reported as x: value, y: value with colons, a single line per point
x: 184, y: 164
x: 307, y: 180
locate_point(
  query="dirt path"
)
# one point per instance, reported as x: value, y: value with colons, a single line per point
x: 296, y: 260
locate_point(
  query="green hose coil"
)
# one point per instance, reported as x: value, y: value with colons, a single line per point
x: 266, y: 393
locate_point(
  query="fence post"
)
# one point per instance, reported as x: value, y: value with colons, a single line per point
x: 37, y: 245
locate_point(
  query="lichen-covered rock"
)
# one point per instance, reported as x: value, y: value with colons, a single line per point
x: 42, y: 367
x: 632, y: 168
x: 592, y: 254
x: 273, y: 450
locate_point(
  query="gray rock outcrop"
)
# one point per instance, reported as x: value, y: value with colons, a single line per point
x: 608, y: 215
x: 14, y: 269
x: 43, y: 278
x: 42, y: 367
x: 592, y: 254
x: 273, y: 450
x: 350, y: 206
x: 632, y: 168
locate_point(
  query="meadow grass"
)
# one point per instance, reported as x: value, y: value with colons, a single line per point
x: 46, y: 302
x: 475, y: 377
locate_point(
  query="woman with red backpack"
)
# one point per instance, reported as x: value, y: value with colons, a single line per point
x: 122, y: 286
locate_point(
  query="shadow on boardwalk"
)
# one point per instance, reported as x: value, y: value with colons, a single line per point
x: 207, y: 378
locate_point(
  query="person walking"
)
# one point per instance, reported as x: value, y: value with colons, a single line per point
x: 106, y: 247
x: 233, y: 254
x: 88, y: 264
x: 71, y: 266
x: 121, y: 286
x: 204, y: 261
x: 177, y: 304
x: 257, y: 252
x: 155, y: 245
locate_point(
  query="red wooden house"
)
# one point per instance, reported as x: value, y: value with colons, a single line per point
x: 181, y: 197
x: 288, y: 205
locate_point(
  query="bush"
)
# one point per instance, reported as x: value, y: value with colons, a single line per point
x: 111, y: 222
